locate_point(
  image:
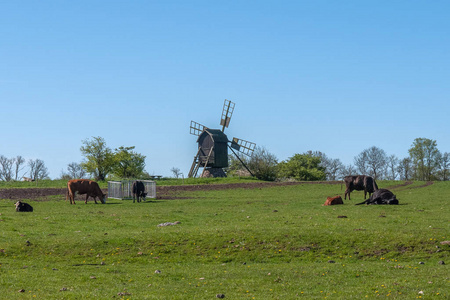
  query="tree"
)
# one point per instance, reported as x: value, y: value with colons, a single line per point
x: 392, y: 167
x: 263, y: 164
x: 127, y: 163
x: 361, y: 163
x: 348, y: 170
x: 371, y: 161
x: 75, y: 170
x: 18, y: 162
x: 333, y: 167
x: 444, y: 165
x: 176, y: 172
x: 405, y: 169
x: 6, y: 172
x: 424, y: 155
x: 99, y: 158
x: 305, y: 167
x: 38, y: 170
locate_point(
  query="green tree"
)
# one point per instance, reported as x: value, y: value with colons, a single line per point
x: 262, y: 164
x: 305, y: 167
x: 425, y: 156
x: 127, y: 163
x: 99, y: 159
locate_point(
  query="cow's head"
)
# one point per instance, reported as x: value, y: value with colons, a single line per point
x: 144, y: 195
x: 103, y: 199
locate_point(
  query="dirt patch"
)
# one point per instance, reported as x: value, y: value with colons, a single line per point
x: 168, y: 192
x: 162, y: 192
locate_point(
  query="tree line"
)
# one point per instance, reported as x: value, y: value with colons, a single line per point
x: 425, y: 162
x: 99, y: 162
x: 13, y: 169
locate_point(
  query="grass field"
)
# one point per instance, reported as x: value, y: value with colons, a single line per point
x: 269, y: 243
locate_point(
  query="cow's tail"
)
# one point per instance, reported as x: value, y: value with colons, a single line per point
x: 375, y: 186
x: 364, y: 202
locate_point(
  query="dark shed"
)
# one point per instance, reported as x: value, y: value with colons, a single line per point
x: 213, y: 143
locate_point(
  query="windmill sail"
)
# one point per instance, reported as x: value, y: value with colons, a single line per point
x: 197, y: 128
x: 243, y: 146
x: 227, y: 112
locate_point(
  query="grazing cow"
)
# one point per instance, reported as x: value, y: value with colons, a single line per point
x: 381, y: 196
x: 23, y: 207
x: 359, y: 183
x: 84, y: 186
x: 139, y: 191
x: 333, y: 201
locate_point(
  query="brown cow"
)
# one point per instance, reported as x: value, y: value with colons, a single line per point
x: 359, y: 183
x: 333, y: 201
x: 84, y: 186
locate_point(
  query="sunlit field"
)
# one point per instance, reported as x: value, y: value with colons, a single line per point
x: 264, y: 243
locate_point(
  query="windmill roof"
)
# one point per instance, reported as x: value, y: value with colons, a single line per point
x: 216, y: 134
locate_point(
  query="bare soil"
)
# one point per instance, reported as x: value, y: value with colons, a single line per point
x: 162, y: 192
x: 166, y: 192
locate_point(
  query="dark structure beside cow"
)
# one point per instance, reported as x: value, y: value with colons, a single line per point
x: 84, y: 186
x: 138, y: 191
x: 359, y: 183
x: 23, y: 207
x: 381, y: 196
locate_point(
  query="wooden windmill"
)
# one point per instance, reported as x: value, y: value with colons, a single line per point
x: 213, y: 145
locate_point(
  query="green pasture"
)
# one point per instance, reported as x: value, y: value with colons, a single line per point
x: 269, y: 243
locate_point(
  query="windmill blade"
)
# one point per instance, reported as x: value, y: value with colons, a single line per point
x: 243, y: 146
x: 227, y: 111
x: 197, y: 128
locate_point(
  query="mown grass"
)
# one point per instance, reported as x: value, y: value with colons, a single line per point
x: 270, y: 243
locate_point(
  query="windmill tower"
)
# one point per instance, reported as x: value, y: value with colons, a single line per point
x: 213, y: 145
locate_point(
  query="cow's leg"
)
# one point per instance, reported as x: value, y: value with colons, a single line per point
x: 87, y: 196
x: 134, y: 197
x: 347, y: 192
x: 71, y: 198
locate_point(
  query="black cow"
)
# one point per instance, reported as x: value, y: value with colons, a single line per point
x: 359, y: 183
x: 381, y: 196
x: 23, y: 207
x: 139, y: 191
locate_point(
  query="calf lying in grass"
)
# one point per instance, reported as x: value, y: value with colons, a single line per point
x: 23, y: 207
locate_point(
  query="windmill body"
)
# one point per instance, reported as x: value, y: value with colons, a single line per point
x: 213, y: 144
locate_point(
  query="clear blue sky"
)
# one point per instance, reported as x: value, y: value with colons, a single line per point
x: 332, y: 76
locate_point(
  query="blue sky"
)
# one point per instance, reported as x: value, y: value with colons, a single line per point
x: 331, y: 76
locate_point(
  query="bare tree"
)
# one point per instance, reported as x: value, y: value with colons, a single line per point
x: 405, y: 169
x: 392, y: 167
x: 371, y: 161
x: 333, y: 167
x: 361, y: 163
x: 348, y: 170
x: 38, y: 170
x: 75, y: 170
x: 6, y: 172
x: 176, y: 172
x: 18, y: 162
x: 444, y: 165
